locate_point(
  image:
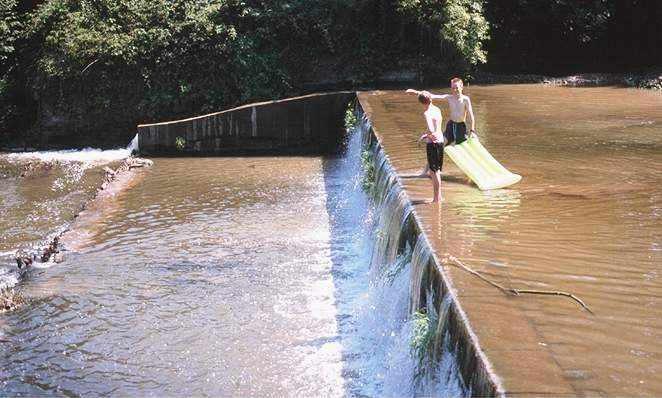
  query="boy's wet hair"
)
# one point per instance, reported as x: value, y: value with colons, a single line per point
x: 457, y: 79
x: 424, y: 98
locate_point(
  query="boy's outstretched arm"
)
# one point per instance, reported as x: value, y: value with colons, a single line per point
x: 470, y: 116
x: 416, y: 92
x: 439, y: 96
x: 432, y: 96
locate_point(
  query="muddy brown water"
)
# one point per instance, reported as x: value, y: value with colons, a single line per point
x: 585, y: 219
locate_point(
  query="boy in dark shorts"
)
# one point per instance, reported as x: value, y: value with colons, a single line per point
x: 460, y: 110
x: 435, y: 143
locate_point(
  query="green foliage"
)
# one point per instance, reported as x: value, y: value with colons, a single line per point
x: 180, y: 143
x: 390, y: 273
x: 10, y: 28
x: 459, y: 26
x: 350, y: 117
x: 104, y: 65
x: 424, y: 332
x: 368, y: 166
x: 466, y: 28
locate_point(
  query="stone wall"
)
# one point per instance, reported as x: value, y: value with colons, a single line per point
x: 307, y: 124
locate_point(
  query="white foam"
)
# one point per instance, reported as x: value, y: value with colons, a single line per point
x: 85, y: 155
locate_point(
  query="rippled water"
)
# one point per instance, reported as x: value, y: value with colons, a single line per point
x: 219, y: 276
x: 40, y: 193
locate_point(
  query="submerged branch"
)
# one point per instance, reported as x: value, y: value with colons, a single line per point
x: 517, y: 292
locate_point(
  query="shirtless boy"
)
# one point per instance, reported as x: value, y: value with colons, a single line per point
x: 435, y: 143
x: 460, y: 110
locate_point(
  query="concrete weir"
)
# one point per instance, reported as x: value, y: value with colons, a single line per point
x: 498, y: 351
x: 295, y: 125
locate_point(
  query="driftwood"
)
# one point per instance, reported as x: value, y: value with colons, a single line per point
x: 516, y: 292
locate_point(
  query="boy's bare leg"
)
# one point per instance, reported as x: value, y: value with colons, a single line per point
x: 436, y: 186
x: 425, y: 171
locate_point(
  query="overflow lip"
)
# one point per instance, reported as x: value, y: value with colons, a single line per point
x: 305, y: 125
x: 503, y: 371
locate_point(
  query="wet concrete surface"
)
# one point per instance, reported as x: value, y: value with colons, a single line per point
x: 586, y: 219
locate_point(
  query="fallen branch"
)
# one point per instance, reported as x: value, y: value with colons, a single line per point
x: 516, y: 292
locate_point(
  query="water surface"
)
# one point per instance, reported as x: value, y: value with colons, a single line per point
x: 585, y: 219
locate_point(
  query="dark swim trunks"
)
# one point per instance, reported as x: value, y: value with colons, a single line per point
x: 455, y: 132
x: 435, y: 156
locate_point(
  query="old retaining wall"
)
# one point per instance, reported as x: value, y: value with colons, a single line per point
x: 307, y: 124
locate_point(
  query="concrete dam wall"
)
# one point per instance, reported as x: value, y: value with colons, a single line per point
x: 314, y: 124
x: 307, y: 124
x: 430, y: 291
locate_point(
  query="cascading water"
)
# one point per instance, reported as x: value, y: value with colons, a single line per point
x: 382, y: 317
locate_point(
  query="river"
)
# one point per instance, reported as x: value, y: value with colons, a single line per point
x: 251, y: 276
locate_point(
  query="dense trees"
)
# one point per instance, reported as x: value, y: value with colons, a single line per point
x: 564, y: 36
x: 106, y: 65
x: 94, y: 68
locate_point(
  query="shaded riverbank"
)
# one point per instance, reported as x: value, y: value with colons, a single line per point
x: 650, y: 79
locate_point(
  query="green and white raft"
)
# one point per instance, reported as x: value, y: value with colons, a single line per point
x: 480, y: 166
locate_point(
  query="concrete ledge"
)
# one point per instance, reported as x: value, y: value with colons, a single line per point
x: 307, y: 124
x: 499, y: 352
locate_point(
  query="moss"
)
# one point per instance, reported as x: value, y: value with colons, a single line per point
x: 368, y: 165
x: 180, y: 143
x: 350, y: 117
x: 424, y: 324
x: 400, y: 263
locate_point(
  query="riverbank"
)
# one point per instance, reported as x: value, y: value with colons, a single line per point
x: 650, y: 79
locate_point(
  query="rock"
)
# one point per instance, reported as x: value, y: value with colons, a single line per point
x: 24, y: 260
x: 139, y: 162
x: 51, y: 249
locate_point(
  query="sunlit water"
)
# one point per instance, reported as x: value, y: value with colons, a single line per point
x: 221, y: 277
x: 41, y: 192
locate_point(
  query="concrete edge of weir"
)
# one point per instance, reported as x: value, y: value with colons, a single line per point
x: 312, y: 121
x: 474, y: 366
x: 298, y: 125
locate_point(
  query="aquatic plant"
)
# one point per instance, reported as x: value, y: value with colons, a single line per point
x: 180, y: 143
x: 424, y: 330
x: 393, y: 270
x: 368, y: 166
x: 350, y: 117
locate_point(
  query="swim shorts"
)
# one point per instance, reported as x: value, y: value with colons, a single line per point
x: 435, y: 155
x: 455, y: 132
